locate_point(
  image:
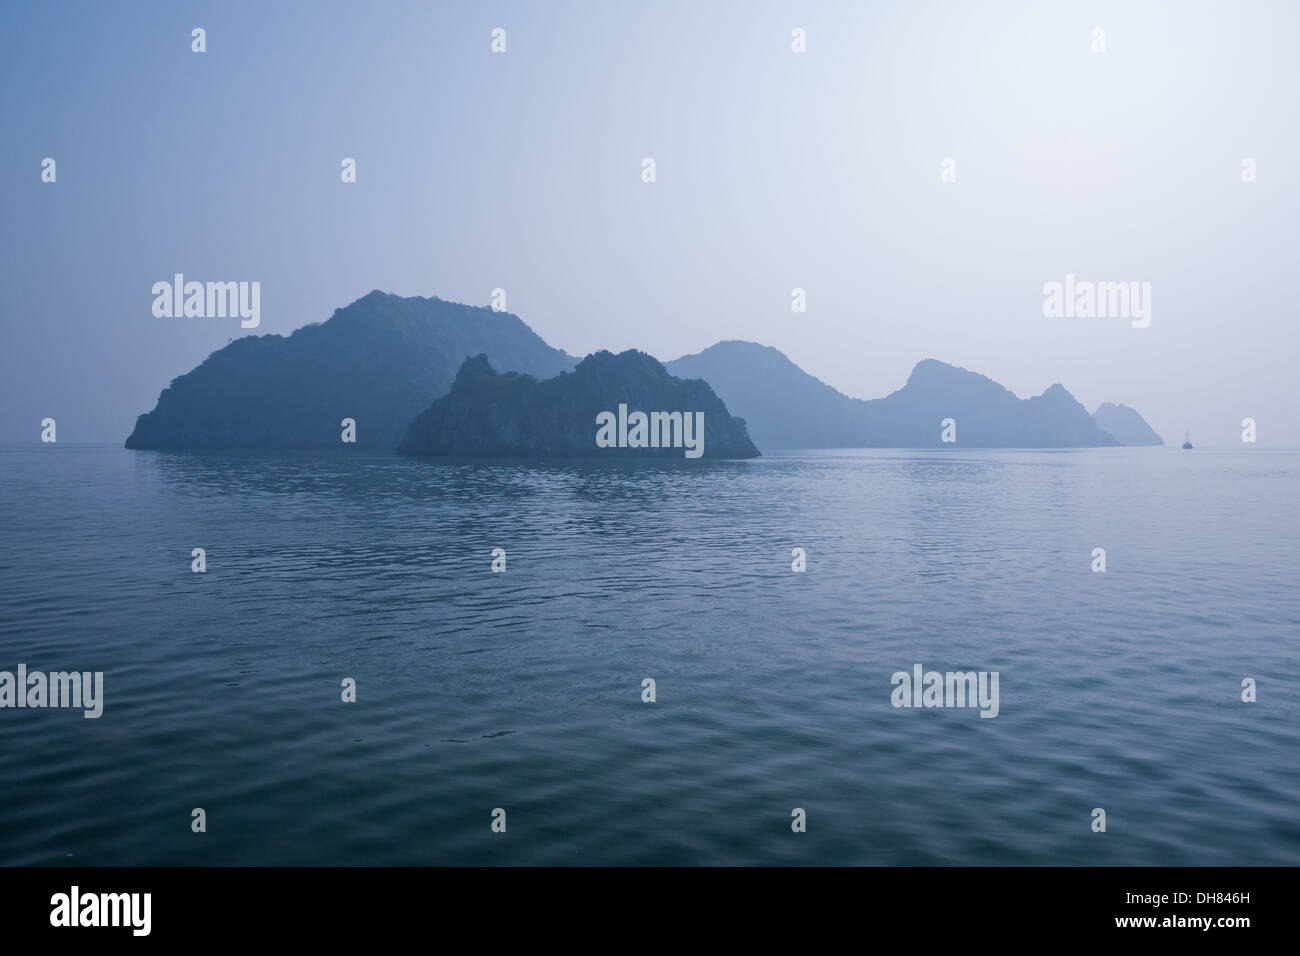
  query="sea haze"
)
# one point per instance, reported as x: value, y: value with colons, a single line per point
x: 522, y: 690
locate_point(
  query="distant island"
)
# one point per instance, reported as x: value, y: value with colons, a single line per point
x: 379, y: 361
x: 624, y: 405
x: 384, y: 362
x: 788, y: 408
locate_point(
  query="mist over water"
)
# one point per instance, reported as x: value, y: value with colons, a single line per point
x: 522, y: 690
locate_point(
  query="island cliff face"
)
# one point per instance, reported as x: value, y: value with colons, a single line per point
x: 488, y: 414
x: 378, y: 361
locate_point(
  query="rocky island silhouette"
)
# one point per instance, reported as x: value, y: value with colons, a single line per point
x: 385, y: 361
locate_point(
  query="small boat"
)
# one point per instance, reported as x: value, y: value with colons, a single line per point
x: 1187, y: 442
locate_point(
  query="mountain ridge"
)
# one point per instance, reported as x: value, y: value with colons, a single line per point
x: 763, y: 386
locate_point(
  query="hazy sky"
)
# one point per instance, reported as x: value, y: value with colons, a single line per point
x: 775, y: 170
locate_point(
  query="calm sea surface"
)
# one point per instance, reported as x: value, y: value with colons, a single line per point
x: 523, y: 690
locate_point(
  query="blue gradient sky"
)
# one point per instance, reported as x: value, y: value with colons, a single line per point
x: 775, y: 170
